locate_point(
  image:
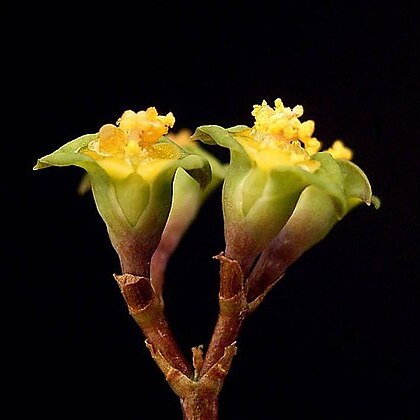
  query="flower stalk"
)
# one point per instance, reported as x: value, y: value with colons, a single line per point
x: 146, y: 309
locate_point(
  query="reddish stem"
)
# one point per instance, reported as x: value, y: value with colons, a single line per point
x: 147, y: 311
x: 232, y: 312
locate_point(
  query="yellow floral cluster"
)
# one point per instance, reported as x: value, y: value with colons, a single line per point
x: 278, y: 137
x: 282, y: 125
x: 132, y: 144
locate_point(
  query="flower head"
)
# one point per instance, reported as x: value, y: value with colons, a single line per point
x: 272, y: 163
x: 132, y: 145
x: 278, y: 136
x: 131, y: 166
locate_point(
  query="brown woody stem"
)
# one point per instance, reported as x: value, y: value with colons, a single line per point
x: 232, y: 311
x: 200, y: 404
x: 147, y: 310
x: 197, y: 384
x: 199, y: 400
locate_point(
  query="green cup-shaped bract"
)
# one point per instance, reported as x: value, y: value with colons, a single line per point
x: 258, y: 203
x: 188, y: 197
x: 133, y: 208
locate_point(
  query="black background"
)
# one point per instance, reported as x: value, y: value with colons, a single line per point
x: 338, y: 337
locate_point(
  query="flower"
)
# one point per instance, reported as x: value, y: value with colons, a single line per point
x: 131, y: 166
x: 132, y: 145
x: 279, y: 137
x: 271, y: 164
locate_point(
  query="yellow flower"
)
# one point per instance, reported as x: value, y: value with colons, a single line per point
x: 132, y: 145
x: 278, y: 137
x: 131, y: 167
x: 271, y: 164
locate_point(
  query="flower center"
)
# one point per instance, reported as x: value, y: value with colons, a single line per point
x: 281, y: 127
x: 278, y: 137
x: 134, y: 138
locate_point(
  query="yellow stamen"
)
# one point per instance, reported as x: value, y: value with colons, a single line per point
x: 132, y: 144
x: 339, y: 151
x: 288, y: 140
x: 146, y: 126
x: 113, y: 140
x: 278, y: 137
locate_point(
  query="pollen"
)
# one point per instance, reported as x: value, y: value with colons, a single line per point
x: 112, y: 140
x: 133, y: 149
x: 306, y: 129
x: 339, y: 151
x: 279, y: 137
x: 281, y: 129
x: 146, y: 126
x: 133, y: 141
x: 282, y: 124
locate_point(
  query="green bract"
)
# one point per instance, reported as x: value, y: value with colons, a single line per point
x: 188, y: 198
x: 258, y: 203
x: 134, y: 208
